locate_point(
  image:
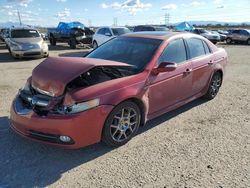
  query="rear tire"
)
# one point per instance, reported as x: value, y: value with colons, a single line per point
x: 95, y: 45
x: 121, y: 124
x: 214, y: 86
x: 229, y: 41
x: 248, y: 42
x: 52, y: 41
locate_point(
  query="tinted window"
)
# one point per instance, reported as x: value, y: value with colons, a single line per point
x: 236, y: 32
x: 107, y: 30
x: 207, y: 49
x: 133, y: 51
x: 136, y: 29
x: 196, y: 47
x: 24, y: 33
x: 175, y: 52
x: 101, y: 31
x: 243, y: 32
x: 120, y: 31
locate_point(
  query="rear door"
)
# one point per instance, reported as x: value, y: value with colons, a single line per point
x: 244, y: 35
x: 236, y: 35
x: 168, y: 88
x: 202, y: 60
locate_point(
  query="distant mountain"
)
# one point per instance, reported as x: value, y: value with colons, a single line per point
x: 213, y: 23
x: 9, y: 24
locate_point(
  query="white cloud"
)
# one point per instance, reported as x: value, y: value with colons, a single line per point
x: 217, y: 1
x: 195, y: 3
x: 220, y: 7
x: 169, y: 7
x: 63, y: 14
x: 131, y: 6
x: 61, y: 1
x: 23, y: 3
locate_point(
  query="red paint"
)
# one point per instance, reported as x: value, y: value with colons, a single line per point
x: 159, y: 93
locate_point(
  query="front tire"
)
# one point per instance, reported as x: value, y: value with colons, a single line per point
x: 72, y: 43
x: 248, y: 41
x: 121, y: 124
x: 95, y: 45
x: 214, y: 86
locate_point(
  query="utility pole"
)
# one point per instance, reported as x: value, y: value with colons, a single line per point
x: 90, y: 22
x: 19, y: 17
x: 167, y: 19
x: 115, y: 21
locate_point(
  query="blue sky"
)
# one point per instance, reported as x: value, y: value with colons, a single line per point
x: 132, y: 12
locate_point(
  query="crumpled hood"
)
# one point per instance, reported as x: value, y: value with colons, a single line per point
x: 52, y: 75
x: 35, y: 40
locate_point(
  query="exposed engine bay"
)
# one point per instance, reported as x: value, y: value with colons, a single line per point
x: 30, y: 98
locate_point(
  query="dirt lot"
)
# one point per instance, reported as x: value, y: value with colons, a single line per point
x: 203, y: 144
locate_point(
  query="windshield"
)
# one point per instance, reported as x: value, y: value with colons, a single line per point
x: 134, y: 51
x: 161, y: 29
x: 120, y: 31
x: 24, y: 33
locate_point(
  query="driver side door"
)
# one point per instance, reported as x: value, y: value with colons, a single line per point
x: 170, y: 88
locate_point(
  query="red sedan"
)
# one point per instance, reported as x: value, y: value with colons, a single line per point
x: 75, y: 102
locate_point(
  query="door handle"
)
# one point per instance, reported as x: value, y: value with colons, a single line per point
x: 211, y: 62
x: 188, y: 71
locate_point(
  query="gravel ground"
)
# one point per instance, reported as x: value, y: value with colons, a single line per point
x: 203, y: 144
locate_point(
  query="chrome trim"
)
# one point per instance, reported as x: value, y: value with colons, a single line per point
x: 43, y: 92
x: 19, y: 108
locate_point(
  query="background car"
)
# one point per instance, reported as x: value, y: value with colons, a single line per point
x: 213, y: 37
x: 149, y: 28
x: 73, y: 33
x: 75, y: 102
x: 103, y: 34
x: 3, y: 33
x: 222, y: 36
x: 239, y: 35
x: 26, y: 42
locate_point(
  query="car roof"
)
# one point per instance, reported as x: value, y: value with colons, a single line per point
x: 112, y: 27
x: 23, y: 28
x: 163, y: 35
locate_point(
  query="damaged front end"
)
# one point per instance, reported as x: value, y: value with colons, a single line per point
x: 43, y: 103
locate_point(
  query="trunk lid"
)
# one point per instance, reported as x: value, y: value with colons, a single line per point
x: 52, y: 75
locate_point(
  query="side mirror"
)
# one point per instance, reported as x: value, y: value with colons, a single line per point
x: 108, y: 34
x: 165, y: 67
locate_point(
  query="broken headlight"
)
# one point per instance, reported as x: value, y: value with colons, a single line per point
x: 80, y: 107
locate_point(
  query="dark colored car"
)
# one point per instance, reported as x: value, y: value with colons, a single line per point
x: 239, y: 35
x: 73, y: 33
x: 75, y: 102
x: 140, y: 28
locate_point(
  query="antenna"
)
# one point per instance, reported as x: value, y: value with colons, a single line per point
x: 19, y: 17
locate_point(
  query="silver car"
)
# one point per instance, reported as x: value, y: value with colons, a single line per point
x: 26, y: 42
x: 239, y: 35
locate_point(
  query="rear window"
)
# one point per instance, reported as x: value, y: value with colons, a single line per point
x: 120, y: 31
x: 101, y: 31
x: 24, y: 33
x: 207, y: 49
x: 196, y: 47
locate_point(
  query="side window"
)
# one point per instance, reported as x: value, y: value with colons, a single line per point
x: 243, y: 32
x: 175, y: 52
x: 207, y: 49
x: 101, y: 31
x: 196, y: 47
x: 107, y: 30
x: 236, y: 32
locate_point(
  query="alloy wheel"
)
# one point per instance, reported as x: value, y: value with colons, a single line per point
x: 215, y: 85
x: 124, y: 123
